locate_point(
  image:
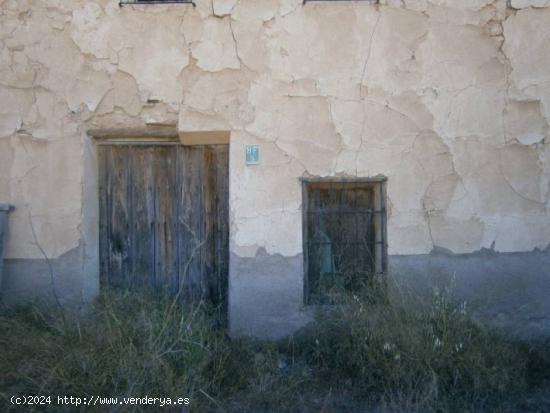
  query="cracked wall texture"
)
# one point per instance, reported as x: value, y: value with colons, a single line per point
x: 449, y: 99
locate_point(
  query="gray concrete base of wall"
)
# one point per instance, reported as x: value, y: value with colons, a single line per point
x: 508, y: 291
x: 30, y: 281
x: 266, y: 295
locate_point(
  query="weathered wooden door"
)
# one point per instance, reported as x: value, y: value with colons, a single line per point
x: 164, y: 219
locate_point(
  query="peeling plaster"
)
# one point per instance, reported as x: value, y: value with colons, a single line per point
x: 450, y: 100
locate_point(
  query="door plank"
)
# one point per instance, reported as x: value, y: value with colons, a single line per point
x: 165, y: 217
x: 143, y: 219
x: 102, y: 155
x: 189, y: 220
x: 118, y: 187
x: 208, y: 256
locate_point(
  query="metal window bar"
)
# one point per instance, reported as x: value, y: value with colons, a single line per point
x: 326, y: 1
x: 134, y: 2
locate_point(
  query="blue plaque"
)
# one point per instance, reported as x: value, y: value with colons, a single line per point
x: 252, y: 154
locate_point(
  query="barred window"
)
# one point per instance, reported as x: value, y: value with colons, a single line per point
x: 344, y: 233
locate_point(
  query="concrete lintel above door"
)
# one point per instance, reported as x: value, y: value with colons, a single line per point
x: 220, y: 137
x: 197, y: 128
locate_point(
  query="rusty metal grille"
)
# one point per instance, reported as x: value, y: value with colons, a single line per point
x: 128, y: 2
x: 353, y: 1
x: 342, y: 227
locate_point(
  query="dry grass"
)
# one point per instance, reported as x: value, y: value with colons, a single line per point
x: 403, y: 354
x: 369, y: 354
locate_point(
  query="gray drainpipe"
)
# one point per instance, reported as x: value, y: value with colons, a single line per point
x: 4, y: 211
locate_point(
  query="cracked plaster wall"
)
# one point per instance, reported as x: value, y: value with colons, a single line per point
x: 449, y: 99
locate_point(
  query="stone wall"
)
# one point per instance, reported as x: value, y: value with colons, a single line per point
x: 448, y: 99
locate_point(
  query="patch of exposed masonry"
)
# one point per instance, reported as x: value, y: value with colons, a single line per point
x: 443, y: 97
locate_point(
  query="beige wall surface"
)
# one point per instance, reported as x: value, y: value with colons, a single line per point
x: 448, y: 99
